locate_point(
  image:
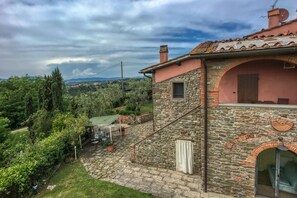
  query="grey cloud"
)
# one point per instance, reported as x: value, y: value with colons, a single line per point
x: 35, y: 32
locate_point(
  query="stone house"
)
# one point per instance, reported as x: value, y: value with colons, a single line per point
x: 235, y: 103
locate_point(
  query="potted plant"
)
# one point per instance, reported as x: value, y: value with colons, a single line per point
x: 109, y: 145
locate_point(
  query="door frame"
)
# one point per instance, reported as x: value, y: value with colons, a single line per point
x: 277, y: 170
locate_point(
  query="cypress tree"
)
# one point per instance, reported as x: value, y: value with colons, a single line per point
x: 57, y: 90
x: 45, y: 94
x: 29, y: 108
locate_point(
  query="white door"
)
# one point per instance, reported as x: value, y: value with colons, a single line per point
x: 184, y: 156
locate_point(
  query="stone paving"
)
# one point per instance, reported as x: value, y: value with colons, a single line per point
x: 116, y: 167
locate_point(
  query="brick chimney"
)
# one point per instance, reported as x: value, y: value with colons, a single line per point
x: 274, y: 17
x: 163, y: 53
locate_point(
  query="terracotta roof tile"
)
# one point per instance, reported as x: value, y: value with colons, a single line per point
x: 256, y: 34
x: 246, y: 44
x: 292, y: 43
x: 236, y: 45
x: 202, y: 48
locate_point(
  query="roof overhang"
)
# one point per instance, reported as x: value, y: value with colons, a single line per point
x: 151, y: 69
x: 248, y: 53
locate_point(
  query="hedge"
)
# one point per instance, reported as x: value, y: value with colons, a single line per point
x: 30, y: 168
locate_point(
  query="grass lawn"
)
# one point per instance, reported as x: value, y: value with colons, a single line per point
x: 73, y: 181
x: 146, y: 108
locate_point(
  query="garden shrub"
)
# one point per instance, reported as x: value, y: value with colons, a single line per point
x: 28, y: 169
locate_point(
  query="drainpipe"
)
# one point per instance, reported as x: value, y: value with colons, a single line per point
x: 147, y: 75
x: 150, y: 77
x: 205, y: 125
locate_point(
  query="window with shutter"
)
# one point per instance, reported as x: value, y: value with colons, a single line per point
x: 248, y: 88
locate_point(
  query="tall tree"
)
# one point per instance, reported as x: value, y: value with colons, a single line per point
x: 42, y: 124
x: 4, y: 129
x: 12, y: 94
x: 57, y: 90
x: 139, y: 93
x: 45, y: 94
x: 29, y: 107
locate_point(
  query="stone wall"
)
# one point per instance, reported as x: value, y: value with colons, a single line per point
x: 159, y: 149
x: 132, y: 119
x: 236, y: 136
x: 167, y: 109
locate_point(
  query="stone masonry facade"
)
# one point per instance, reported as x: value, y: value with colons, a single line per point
x: 183, y: 115
x: 159, y: 150
x: 236, y: 136
x: 167, y: 109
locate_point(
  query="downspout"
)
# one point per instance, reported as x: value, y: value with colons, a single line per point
x: 150, y: 77
x: 147, y: 76
x: 205, y: 125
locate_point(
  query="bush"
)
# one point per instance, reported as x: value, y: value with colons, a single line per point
x: 37, y: 161
x: 29, y: 168
x: 108, y: 143
x: 4, y: 130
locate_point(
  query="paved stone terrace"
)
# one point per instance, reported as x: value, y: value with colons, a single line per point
x: 116, y: 167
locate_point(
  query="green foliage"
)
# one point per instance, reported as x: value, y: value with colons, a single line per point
x: 4, y: 129
x: 139, y: 93
x: 12, y: 94
x: 27, y: 168
x: 45, y: 94
x: 24, y: 163
x: 29, y: 108
x: 76, y: 89
x: 42, y: 123
x: 70, y: 126
x: 50, y: 102
x: 98, y: 103
x: 57, y: 90
x: 108, y: 143
x: 38, y: 160
x: 35, y: 163
x: 51, y: 92
x: 146, y: 108
x: 60, y: 121
x: 15, y: 143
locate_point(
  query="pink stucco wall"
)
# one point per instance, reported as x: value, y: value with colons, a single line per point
x: 274, y: 82
x: 175, y: 70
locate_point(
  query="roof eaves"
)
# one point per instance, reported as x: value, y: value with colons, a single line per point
x: 151, y: 69
x: 245, y: 53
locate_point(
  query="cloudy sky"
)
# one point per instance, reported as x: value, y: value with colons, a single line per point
x: 87, y: 38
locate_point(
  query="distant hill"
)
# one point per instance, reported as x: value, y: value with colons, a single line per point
x: 85, y: 80
x: 91, y: 79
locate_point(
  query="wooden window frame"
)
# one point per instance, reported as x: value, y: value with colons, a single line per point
x: 172, y: 91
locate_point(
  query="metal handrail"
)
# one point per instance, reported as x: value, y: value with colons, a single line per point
x: 138, y: 142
